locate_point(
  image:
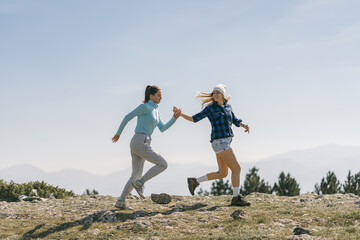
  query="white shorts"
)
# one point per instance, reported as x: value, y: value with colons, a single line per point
x: 221, y: 144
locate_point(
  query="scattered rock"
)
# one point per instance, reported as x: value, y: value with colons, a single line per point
x: 139, y: 214
x: 299, y: 231
x: 162, y: 198
x: 317, y: 219
x: 30, y: 198
x: 142, y: 224
x: 202, y: 221
x: 33, y: 197
x: 330, y: 205
x: 177, y: 213
x: 154, y: 238
x: 34, y: 193
x: 10, y: 215
x: 177, y: 207
x: 303, y: 237
x: 94, y: 231
x: 22, y: 198
x: 238, y: 214
x: 178, y: 198
x: 352, y: 195
x: 279, y: 224
x: 184, y: 215
x: 286, y: 221
x: 319, y: 197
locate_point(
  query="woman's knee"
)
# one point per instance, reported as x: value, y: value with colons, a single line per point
x: 236, y: 168
x: 223, y: 174
x: 163, y: 164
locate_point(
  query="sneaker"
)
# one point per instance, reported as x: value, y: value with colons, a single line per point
x: 239, y: 201
x: 139, y: 187
x: 122, y: 206
x: 192, y: 184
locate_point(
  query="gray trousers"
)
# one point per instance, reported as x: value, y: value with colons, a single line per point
x: 141, y: 151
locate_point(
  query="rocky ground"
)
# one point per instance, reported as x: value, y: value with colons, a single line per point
x: 308, y: 216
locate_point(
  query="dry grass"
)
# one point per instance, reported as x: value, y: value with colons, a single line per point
x: 269, y: 217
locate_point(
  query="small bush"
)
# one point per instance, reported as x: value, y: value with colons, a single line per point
x: 11, y: 192
x: 90, y: 193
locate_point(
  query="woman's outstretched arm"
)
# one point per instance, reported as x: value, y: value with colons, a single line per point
x: 163, y: 127
x: 187, y: 117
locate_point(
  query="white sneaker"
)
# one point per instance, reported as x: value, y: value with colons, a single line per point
x: 139, y: 187
x: 122, y: 206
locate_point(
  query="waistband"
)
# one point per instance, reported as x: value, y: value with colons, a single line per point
x: 142, y: 134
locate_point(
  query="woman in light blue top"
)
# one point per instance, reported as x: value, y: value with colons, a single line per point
x: 148, y: 119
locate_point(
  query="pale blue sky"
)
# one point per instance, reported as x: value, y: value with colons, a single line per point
x: 71, y: 70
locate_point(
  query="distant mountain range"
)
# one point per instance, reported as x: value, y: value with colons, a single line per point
x: 307, y: 166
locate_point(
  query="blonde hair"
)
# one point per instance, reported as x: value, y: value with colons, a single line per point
x: 207, y: 99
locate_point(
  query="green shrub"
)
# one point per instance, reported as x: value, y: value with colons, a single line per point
x: 329, y: 185
x: 11, y: 192
x: 253, y: 183
x: 286, y: 186
x: 352, y: 183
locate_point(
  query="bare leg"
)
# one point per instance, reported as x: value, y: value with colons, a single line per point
x: 229, y: 159
x: 222, y: 172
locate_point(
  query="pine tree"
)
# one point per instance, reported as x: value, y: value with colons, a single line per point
x: 219, y: 187
x: 286, y: 186
x: 328, y: 185
x: 352, y: 183
x: 253, y: 183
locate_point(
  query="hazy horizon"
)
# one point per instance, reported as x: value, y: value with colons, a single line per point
x: 148, y: 164
x: 307, y: 166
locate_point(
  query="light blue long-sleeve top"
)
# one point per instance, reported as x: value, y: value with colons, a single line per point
x: 148, y: 119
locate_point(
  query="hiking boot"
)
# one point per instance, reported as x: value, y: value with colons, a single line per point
x: 192, y: 184
x: 122, y: 206
x: 139, y: 187
x: 239, y: 201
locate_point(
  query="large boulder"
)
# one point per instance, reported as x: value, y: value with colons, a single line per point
x: 162, y: 198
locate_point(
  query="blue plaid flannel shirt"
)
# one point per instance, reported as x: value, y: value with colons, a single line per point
x: 221, y: 119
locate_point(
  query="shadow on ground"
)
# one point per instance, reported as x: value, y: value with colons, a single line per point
x: 109, y: 216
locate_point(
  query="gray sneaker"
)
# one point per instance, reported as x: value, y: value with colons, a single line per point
x: 139, y: 187
x: 192, y: 184
x: 122, y: 206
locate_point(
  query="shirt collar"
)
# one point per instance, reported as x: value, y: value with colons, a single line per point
x: 151, y: 103
x: 216, y: 104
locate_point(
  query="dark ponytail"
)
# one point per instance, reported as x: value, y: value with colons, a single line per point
x: 150, y: 90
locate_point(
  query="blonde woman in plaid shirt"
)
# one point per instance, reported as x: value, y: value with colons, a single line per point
x: 221, y: 117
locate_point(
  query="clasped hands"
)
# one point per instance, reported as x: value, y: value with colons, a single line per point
x: 177, y: 112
